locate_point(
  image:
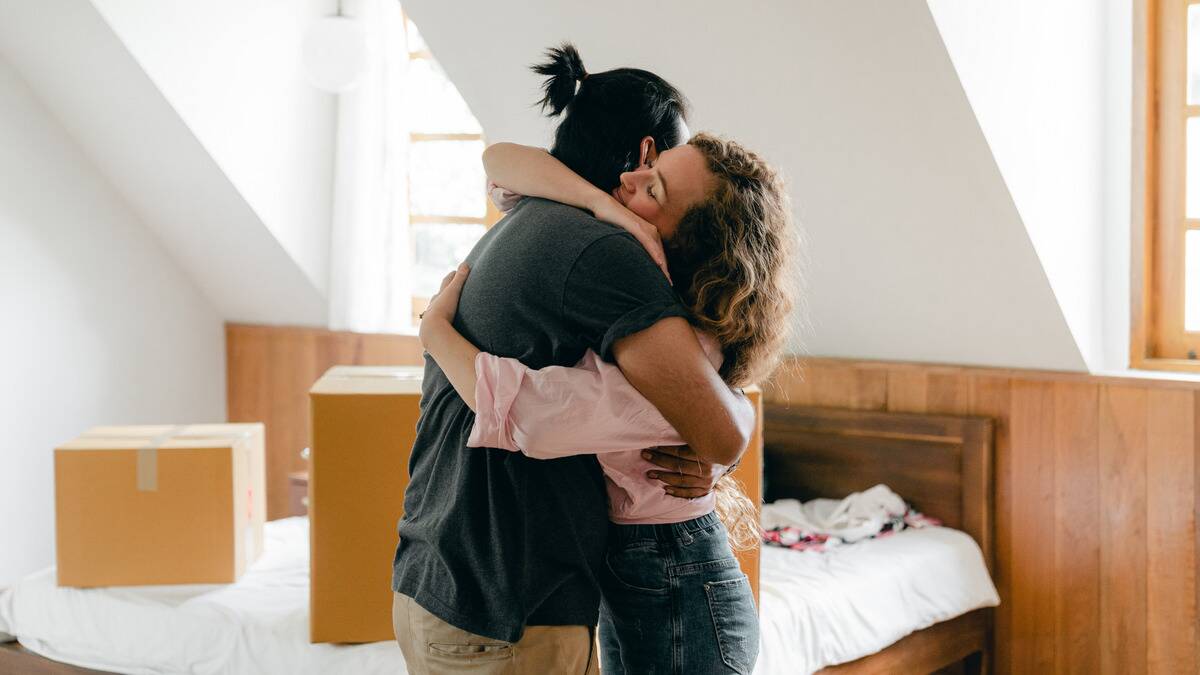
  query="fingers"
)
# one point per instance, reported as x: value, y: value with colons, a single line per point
x: 686, y: 493
x: 680, y: 480
x: 671, y: 462
x: 680, y: 451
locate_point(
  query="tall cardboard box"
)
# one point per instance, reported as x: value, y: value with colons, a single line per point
x: 749, y: 473
x: 364, y: 421
x: 143, y: 505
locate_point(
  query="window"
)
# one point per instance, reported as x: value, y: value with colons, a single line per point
x: 1166, y: 325
x: 409, y: 187
x: 448, y: 208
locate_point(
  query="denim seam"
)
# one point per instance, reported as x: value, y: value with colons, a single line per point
x: 710, y: 565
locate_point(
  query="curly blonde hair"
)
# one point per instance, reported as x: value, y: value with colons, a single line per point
x: 732, y: 260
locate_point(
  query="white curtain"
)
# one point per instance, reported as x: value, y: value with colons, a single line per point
x: 370, y: 258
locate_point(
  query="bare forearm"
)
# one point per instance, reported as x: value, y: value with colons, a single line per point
x: 454, y: 354
x: 534, y: 172
x: 667, y: 365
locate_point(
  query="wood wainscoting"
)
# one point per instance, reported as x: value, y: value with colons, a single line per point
x: 1097, y: 489
x: 269, y: 370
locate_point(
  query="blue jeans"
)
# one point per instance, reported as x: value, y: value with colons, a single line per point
x: 675, y: 602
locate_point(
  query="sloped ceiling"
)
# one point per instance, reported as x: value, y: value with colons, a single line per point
x: 83, y: 73
x: 916, y: 250
x: 1038, y: 77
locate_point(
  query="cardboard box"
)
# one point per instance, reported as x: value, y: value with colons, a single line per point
x: 364, y: 421
x: 148, y: 505
x: 749, y: 473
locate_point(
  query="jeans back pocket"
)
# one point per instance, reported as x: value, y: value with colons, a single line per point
x: 731, y: 603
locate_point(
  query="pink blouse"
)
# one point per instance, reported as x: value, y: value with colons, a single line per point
x: 587, y: 409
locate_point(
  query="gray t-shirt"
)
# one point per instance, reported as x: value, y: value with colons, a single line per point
x: 492, y: 541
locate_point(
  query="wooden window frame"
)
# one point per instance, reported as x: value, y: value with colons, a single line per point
x: 491, y: 215
x: 1160, y: 113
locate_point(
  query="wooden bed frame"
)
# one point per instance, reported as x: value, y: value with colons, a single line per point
x: 941, y: 465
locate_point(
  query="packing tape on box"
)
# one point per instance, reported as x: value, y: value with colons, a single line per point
x: 147, y: 460
x: 147, y: 454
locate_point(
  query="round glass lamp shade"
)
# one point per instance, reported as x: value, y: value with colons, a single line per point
x: 335, y: 53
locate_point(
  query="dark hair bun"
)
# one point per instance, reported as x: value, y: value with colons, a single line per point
x: 564, y: 68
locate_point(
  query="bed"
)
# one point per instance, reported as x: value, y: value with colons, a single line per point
x: 866, y: 608
x: 942, y: 466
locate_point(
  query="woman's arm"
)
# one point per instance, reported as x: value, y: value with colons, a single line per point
x: 533, y: 172
x: 557, y: 412
x: 454, y: 354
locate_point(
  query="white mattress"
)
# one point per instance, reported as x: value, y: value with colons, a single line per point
x: 258, y: 625
x: 818, y: 609
x: 823, y: 608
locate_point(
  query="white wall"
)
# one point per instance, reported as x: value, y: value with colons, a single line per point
x: 918, y: 251
x: 100, y: 326
x: 232, y: 70
x: 1118, y: 200
x: 92, y: 85
x: 1048, y: 82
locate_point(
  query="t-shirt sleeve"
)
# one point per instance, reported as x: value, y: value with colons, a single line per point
x: 613, y: 290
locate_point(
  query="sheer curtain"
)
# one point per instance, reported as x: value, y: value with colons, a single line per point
x: 370, y: 258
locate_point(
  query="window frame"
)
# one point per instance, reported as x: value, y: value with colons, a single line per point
x: 1160, y: 113
x: 491, y: 215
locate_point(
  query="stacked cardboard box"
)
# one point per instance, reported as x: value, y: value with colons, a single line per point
x: 364, y: 420
x: 140, y: 505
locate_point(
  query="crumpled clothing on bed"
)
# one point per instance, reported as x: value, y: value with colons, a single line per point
x: 819, y: 524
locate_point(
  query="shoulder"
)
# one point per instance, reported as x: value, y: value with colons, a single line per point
x: 561, y: 219
x: 561, y: 231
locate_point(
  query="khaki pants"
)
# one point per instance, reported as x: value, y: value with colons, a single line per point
x: 432, y: 646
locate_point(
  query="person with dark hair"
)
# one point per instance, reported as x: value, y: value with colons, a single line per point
x: 610, y: 114
x: 499, y: 554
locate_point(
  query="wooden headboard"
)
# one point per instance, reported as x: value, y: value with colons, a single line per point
x: 942, y: 465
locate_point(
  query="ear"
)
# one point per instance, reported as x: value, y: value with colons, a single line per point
x: 648, y: 152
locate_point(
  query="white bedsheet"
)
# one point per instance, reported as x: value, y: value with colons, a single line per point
x: 258, y: 625
x: 818, y: 609
x: 824, y: 608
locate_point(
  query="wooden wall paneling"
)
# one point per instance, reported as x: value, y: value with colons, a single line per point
x: 1122, y: 429
x: 948, y: 393
x: 835, y: 386
x: 1032, y: 639
x: 291, y: 370
x: 906, y: 391
x: 870, y: 392
x: 1171, y: 533
x: 831, y: 386
x: 1076, y: 583
x: 992, y: 397
x: 269, y: 370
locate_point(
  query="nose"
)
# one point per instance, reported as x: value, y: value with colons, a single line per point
x: 629, y: 181
x: 626, y: 181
